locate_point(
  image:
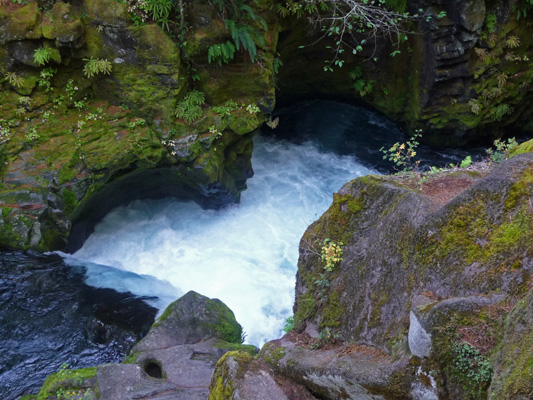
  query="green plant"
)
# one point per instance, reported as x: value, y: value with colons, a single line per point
x: 71, y: 89
x: 471, y: 369
x: 226, y: 110
x: 289, y: 324
x: 221, y: 53
x: 500, y: 111
x: 158, y: 9
x: 522, y: 7
x: 402, y: 155
x: 136, y: 122
x: 95, y: 66
x: 14, y: 79
x: 252, y: 109
x: 502, y: 150
x: 362, y: 86
x: 512, y: 42
x: 467, y: 162
x: 475, y: 106
x: 214, y: 131
x: 44, y: 78
x: 241, y: 21
x: 331, y: 254
x: 190, y: 109
x: 79, y: 105
x: 32, y: 135
x: 42, y: 55
x: 490, y: 22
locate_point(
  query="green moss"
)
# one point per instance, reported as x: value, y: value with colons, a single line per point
x: 71, y: 202
x: 65, y: 379
x: 332, y: 312
x: 131, y: 358
x: 247, y: 348
x: 526, y: 147
x: 222, y: 385
x: 228, y: 328
x: 519, y: 384
x: 272, y: 353
x: 306, y: 308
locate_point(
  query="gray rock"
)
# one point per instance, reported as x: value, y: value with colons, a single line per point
x: 419, y: 339
x: 191, y: 319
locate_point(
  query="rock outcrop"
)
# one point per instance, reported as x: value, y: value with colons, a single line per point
x: 74, y: 143
x: 430, y: 298
x: 175, y: 360
x: 464, y: 74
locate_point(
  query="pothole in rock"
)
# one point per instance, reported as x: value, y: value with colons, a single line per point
x: 153, y: 369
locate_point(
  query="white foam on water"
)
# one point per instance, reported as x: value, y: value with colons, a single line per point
x: 245, y: 255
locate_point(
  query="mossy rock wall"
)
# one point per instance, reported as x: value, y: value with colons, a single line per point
x: 74, y: 145
x: 461, y: 78
x: 469, y: 259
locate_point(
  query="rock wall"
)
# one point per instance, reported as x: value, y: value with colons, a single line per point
x: 75, y: 144
x: 462, y: 78
x: 436, y: 270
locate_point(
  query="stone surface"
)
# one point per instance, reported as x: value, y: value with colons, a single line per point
x: 175, y: 360
x: 239, y: 377
x: 190, y: 319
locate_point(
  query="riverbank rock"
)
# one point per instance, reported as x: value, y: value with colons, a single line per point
x: 94, y: 125
x: 423, y: 273
x: 175, y: 360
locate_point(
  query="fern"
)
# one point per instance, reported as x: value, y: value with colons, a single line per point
x: 245, y: 36
x: 240, y: 20
x: 42, y: 55
x: 159, y: 9
x: 190, y: 109
x: 95, y: 66
x: 222, y: 53
x: 14, y: 79
x: 500, y: 110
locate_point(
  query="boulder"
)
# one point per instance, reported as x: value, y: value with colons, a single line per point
x: 191, y: 319
x: 175, y: 360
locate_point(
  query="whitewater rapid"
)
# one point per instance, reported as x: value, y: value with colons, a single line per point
x: 245, y: 255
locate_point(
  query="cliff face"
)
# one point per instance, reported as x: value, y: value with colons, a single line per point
x: 76, y: 143
x: 460, y: 78
x: 449, y: 279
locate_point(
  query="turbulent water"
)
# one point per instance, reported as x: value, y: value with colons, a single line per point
x: 245, y: 255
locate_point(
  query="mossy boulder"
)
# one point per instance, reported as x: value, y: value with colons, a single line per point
x: 74, y: 383
x: 526, y: 147
x: 21, y: 23
x: 469, y: 253
x: 64, y: 25
x: 189, y: 319
x: 513, y: 360
x: 238, y: 376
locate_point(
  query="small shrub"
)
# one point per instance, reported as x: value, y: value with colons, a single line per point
x: 331, y: 254
x: 502, y: 151
x: 471, y: 369
x: 402, y: 155
x: 467, y: 162
x: 289, y: 324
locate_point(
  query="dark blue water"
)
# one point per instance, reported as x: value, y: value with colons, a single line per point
x: 49, y: 316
